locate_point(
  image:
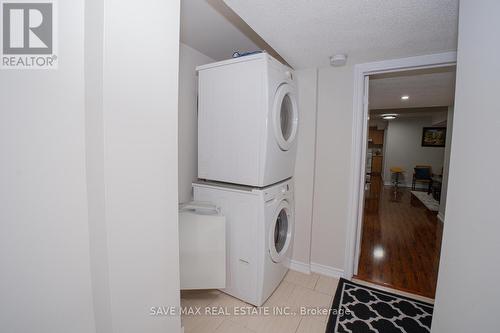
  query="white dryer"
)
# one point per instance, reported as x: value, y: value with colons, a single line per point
x: 259, y: 235
x: 247, y: 121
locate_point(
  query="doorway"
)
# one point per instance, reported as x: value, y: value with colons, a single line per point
x: 374, y: 199
x: 401, y: 233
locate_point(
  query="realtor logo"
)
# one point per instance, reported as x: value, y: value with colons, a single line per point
x: 28, y: 34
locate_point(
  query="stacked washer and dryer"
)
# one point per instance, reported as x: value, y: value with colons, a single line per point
x: 247, y: 139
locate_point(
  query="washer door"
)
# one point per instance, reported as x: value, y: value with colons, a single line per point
x: 285, y: 117
x: 280, y: 232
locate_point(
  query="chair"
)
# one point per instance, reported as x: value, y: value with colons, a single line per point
x: 396, y: 174
x: 422, y: 174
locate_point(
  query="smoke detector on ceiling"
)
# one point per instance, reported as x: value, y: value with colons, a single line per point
x: 338, y: 60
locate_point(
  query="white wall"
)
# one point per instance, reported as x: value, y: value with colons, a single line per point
x: 446, y: 167
x: 188, y: 119
x: 332, y: 182
x: 88, y: 233
x: 304, y: 166
x: 329, y: 175
x: 45, y: 281
x: 467, y: 296
x: 403, y: 148
x: 140, y: 114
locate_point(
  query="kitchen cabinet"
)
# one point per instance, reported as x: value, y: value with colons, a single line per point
x: 377, y: 164
x: 375, y: 136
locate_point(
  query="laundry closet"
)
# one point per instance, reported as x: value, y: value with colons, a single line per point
x: 236, y: 234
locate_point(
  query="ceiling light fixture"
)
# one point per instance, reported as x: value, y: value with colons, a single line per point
x: 405, y: 97
x: 389, y: 116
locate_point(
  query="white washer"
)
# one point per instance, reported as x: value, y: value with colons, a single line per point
x: 259, y: 231
x: 247, y: 121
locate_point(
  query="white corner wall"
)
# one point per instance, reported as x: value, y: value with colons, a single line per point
x: 140, y: 117
x: 332, y: 181
x: 467, y: 296
x: 45, y: 281
x: 446, y: 166
x: 304, y: 168
x: 403, y: 148
x: 188, y: 118
x: 323, y: 169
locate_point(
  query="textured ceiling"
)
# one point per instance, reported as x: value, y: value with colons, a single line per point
x: 212, y: 28
x: 426, y: 88
x: 307, y: 33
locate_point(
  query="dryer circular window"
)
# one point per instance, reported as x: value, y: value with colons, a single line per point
x: 285, y: 117
x: 280, y: 232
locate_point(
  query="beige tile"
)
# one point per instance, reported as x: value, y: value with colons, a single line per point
x: 228, y: 301
x: 321, y: 315
x: 198, y: 298
x: 312, y: 325
x: 326, y: 285
x: 295, y: 291
x: 301, y: 279
x: 234, y: 307
x: 274, y: 324
x: 282, y: 295
x: 294, y: 297
x: 228, y: 326
x: 305, y: 297
x: 201, y: 324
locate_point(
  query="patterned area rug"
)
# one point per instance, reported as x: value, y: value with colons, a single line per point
x: 427, y: 199
x: 360, y: 309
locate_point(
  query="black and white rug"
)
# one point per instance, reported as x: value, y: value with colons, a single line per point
x: 359, y: 309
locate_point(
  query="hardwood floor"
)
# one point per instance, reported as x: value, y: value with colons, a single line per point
x: 401, y: 241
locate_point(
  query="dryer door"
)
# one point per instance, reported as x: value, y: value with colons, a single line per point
x: 280, y: 232
x: 285, y: 116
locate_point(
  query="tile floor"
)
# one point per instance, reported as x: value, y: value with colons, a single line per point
x: 297, y: 291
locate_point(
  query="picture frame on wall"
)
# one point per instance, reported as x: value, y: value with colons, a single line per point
x: 434, y: 137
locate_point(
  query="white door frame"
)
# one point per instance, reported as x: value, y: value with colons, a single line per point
x: 359, y: 137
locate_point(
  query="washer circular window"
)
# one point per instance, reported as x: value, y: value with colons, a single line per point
x: 285, y: 117
x: 280, y: 232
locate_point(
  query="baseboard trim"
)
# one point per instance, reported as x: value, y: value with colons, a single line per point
x: 316, y: 268
x: 404, y: 185
x: 399, y: 185
x: 300, y: 267
x: 327, y: 270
